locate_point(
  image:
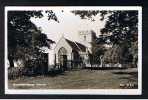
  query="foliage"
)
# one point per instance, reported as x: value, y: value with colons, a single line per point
x: 86, y: 14
x: 120, y: 53
x: 120, y: 25
x: 97, y: 52
x: 120, y: 30
x: 24, y: 38
x: 134, y: 52
x: 113, y: 55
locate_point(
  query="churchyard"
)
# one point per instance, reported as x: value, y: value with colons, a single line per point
x: 80, y: 79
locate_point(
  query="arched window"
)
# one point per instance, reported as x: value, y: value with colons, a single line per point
x: 62, y: 51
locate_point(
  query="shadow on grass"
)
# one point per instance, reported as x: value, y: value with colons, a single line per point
x: 132, y: 79
x: 55, y: 72
x: 104, y: 68
x: 135, y: 74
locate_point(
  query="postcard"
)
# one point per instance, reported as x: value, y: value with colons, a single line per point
x: 90, y: 50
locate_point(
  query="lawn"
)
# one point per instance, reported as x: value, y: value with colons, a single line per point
x: 78, y: 79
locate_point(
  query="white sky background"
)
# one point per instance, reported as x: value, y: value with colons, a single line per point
x: 69, y: 25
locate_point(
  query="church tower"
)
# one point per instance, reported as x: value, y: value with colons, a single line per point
x: 87, y: 38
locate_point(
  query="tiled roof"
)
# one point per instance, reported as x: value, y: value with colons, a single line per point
x: 76, y: 46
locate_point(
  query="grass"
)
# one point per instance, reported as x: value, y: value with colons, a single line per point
x: 79, y: 79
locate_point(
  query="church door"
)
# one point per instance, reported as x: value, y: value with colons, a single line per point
x: 63, y: 61
x: 62, y: 57
x: 76, y: 59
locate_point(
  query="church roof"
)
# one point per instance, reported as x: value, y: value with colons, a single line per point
x: 76, y: 46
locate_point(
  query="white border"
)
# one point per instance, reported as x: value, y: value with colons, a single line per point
x: 79, y: 91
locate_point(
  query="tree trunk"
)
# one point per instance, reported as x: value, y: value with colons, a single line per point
x: 11, y: 61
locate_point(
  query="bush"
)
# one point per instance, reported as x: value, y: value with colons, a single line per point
x: 15, y: 72
x: 113, y: 55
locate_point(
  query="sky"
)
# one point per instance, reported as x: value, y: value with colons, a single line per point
x: 69, y: 25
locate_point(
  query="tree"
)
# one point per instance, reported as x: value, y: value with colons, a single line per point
x: 120, y: 30
x: 97, y: 51
x: 86, y: 14
x: 24, y: 38
x: 113, y: 55
x: 121, y: 25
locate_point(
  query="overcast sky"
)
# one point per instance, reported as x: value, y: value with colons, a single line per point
x: 68, y: 26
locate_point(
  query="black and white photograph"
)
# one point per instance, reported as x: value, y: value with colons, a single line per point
x: 73, y: 50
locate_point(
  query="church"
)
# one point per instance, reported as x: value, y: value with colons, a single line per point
x: 74, y: 54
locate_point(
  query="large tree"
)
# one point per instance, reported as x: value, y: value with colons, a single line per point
x: 120, y: 30
x: 24, y: 38
x: 120, y: 25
